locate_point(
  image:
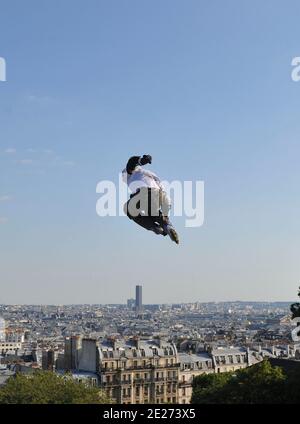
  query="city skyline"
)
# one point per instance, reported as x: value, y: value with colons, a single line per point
x: 149, y: 357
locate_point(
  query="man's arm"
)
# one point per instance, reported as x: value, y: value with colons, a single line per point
x: 134, y: 161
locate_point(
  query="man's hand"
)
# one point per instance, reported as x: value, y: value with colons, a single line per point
x: 146, y: 159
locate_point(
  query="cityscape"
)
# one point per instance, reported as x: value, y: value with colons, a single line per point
x: 141, y: 353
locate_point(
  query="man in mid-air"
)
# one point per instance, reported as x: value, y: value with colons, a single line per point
x: 149, y: 204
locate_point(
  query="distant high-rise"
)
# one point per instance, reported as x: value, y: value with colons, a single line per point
x: 138, y: 298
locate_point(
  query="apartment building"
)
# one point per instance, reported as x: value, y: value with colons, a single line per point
x: 227, y: 359
x: 192, y: 365
x: 9, y: 346
x: 139, y: 371
x: 134, y: 370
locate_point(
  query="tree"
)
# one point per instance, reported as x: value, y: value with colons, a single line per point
x: 48, y: 388
x: 207, y: 387
x: 259, y: 383
x: 292, y: 388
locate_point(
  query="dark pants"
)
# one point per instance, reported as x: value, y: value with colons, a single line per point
x: 144, y: 208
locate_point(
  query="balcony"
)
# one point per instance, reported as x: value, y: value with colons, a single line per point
x: 139, y: 367
x: 185, y: 383
x: 172, y: 379
x: 157, y: 379
x: 142, y: 380
x: 109, y: 383
x: 127, y: 396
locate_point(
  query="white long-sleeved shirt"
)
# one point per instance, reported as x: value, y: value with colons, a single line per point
x: 141, y: 178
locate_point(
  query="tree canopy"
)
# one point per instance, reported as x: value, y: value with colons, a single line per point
x: 43, y: 387
x: 258, y: 384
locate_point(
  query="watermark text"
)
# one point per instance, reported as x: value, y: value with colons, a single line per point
x: 181, y: 198
x: 295, y: 75
x: 2, y: 69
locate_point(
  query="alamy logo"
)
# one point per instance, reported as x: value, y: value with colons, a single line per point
x: 296, y: 331
x: 2, y: 69
x: 182, y: 198
x: 296, y: 69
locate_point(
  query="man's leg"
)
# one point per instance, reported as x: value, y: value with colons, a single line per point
x: 135, y: 210
x: 165, y: 206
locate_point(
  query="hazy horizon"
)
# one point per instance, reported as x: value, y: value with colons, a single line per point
x: 144, y: 304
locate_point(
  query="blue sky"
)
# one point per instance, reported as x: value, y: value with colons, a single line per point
x: 206, y: 88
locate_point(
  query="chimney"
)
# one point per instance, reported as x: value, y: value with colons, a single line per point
x: 113, y: 341
x: 207, y: 348
x: 136, y: 340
